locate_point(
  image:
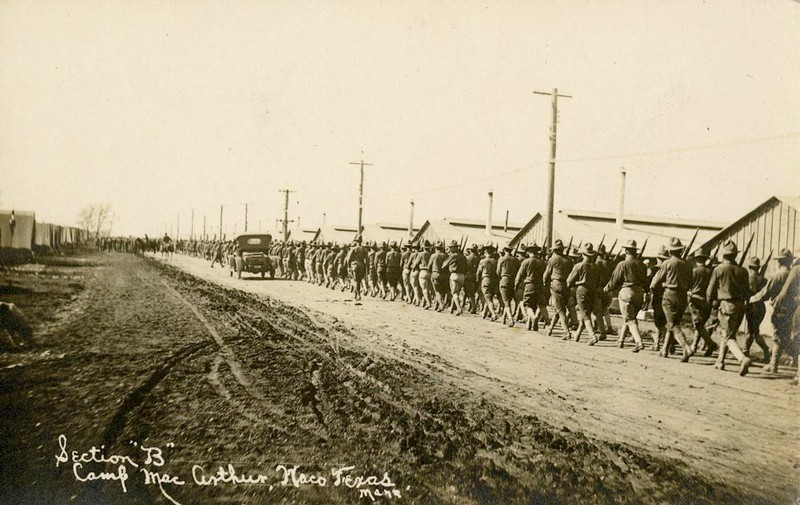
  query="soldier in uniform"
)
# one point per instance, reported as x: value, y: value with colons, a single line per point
x: 358, y: 259
x: 393, y: 271
x: 781, y: 317
x: 604, y: 268
x: 755, y: 311
x: 555, y: 277
x: 456, y: 265
x: 675, y: 276
x: 584, y: 278
x: 507, y: 268
x: 487, y: 279
x: 630, y: 278
x: 786, y: 310
x: 529, y: 277
x: 470, y: 279
x: 373, y: 270
x: 729, y: 285
x: 405, y: 268
x: 435, y: 264
x: 656, y: 301
x: 699, y: 307
x: 415, y: 296
x: 425, y: 275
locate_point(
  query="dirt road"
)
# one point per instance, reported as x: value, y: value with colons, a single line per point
x: 452, y: 410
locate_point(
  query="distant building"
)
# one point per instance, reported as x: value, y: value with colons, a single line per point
x: 773, y: 226
x: 589, y: 226
x: 473, y: 230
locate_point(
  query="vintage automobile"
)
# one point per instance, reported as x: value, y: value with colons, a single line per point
x: 252, y: 255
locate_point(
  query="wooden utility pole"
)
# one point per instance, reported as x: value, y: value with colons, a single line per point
x: 220, y: 222
x: 362, y: 164
x: 245, y: 218
x: 204, y: 228
x: 191, y: 232
x: 551, y: 176
x: 411, y: 222
x: 285, y: 219
x: 178, y: 229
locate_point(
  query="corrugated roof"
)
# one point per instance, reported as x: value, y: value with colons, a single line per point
x: 634, y: 219
x: 455, y: 229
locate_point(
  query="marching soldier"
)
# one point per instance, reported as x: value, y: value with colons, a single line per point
x: 358, y: 258
x: 787, y: 307
x: 416, y: 288
x: 630, y: 278
x: 470, y: 279
x: 604, y: 269
x: 699, y: 307
x: 393, y: 272
x: 729, y: 285
x: 456, y: 265
x: 529, y: 278
x: 675, y: 276
x: 487, y: 279
x: 405, y: 267
x: 425, y: 275
x: 555, y: 277
x: 755, y: 311
x: 435, y: 264
x: 781, y: 315
x: 507, y: 268
x: 656, y: 301
x: 584, y: 278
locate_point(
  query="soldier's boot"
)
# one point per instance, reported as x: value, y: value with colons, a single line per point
x: 607, y: 321
x: 633, y: 327
x: 660, y: 335
x: 593, y: 338
x: 552, y: 325
x: 681, y: 340
x: 772, y: 366
x: 623, y: 330
x: 459, y: 308
x: 723, y: 353
x: 765, y: 348
x: 665, y: 347
x: 511, y: 320
x: 578, y: 331
x: 744, y: 361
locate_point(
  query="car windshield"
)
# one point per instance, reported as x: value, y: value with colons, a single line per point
x: 254, y: 241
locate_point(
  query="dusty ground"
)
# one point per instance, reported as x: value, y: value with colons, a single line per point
x: 258, y: 373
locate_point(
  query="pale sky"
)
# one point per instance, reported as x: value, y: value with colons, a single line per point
x: 161, y: 107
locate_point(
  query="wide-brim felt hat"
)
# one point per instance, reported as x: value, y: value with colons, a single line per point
x: 508, y: 248
x: 701, y: 253
x: 784, y: 254
x: 662, y: 253
x: 630, y: 245
x: 453, y: 243
x: 558, y: 245
x: 754, y: 263
x: 588, y: 250
x: 729, y: 247
x: 675, y: 245
x: 532, y: 247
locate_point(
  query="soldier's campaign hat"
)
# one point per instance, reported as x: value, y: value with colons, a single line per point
x: 701, y: 253
x: 754, y: 263
x: 489, y: 247
x: 532, y: 247
x: 675, y: 244
x: 729, y: 247
x: 630, y: 245
x: 453, y: 243
x: 601, y: 249
x: 508, y: 248
x: 784, y: 254
x: 394, y: 244
x: 428, y: 243
x: 473, y: 247
x: 440, y: 245
x: 558, y: 245
x: 588, y: 249
x: 357, y: 239
x: 662, y: 253
x: 574, y: 252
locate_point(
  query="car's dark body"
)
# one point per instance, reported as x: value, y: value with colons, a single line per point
x: 252, y: 255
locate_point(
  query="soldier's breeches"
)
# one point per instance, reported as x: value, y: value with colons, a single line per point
x: 631, y: 301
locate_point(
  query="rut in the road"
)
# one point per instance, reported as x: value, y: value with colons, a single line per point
x: 443, y: 442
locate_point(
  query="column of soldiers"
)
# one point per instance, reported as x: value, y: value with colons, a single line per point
x: 577, y: 284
